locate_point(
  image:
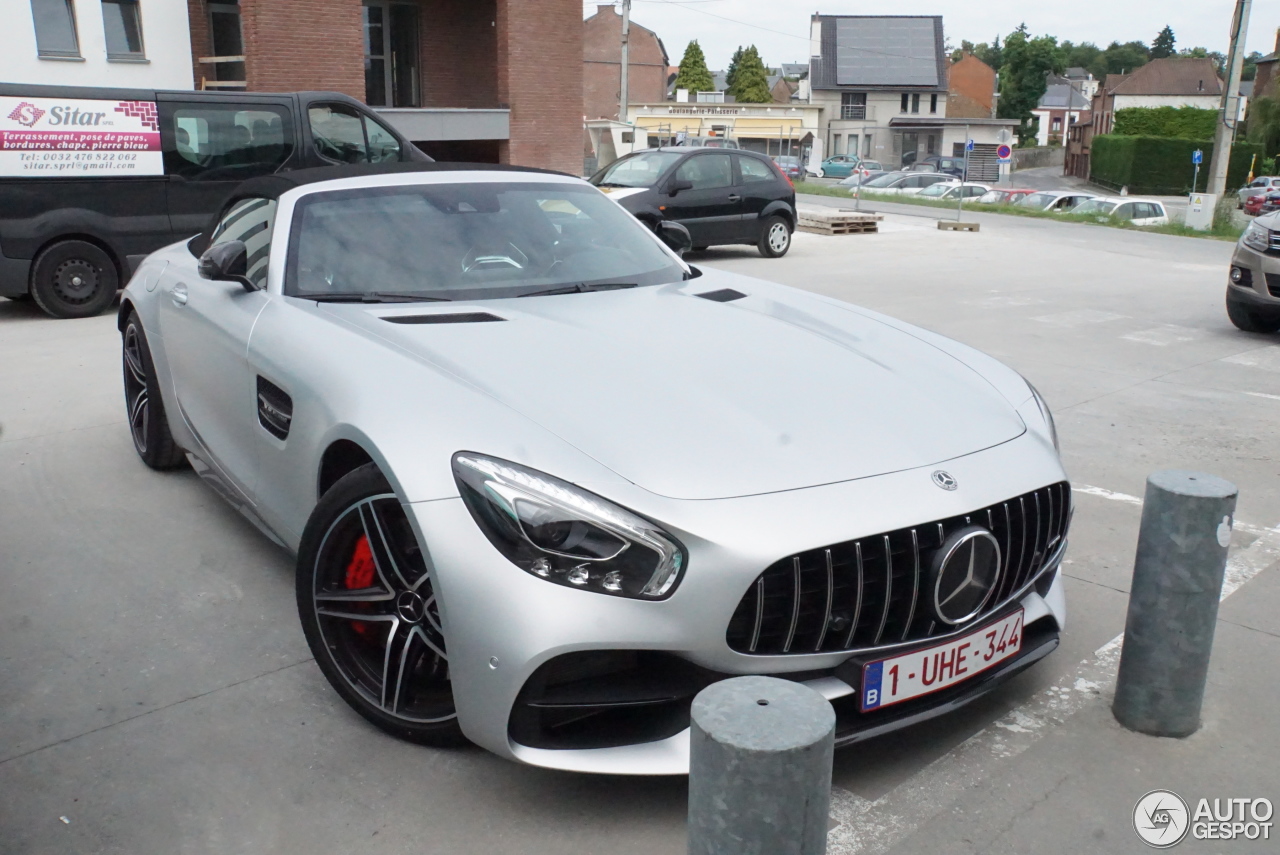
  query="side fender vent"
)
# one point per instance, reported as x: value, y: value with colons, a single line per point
x: 724, y: 295
x: 275, y: 408
x: 444, y: 318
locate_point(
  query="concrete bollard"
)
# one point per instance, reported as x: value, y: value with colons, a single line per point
x: 760, y: 768
x: 1173, y: 602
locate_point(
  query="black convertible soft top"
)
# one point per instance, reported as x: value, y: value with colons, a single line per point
x: 274, y: 186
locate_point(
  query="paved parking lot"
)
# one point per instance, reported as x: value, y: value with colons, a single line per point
x: 157, y: 695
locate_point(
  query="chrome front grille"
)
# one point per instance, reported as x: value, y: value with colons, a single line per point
x: 871, y: 592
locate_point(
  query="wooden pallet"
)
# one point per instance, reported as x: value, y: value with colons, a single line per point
x: 836, y: 221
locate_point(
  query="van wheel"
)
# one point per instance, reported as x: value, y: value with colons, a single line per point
x: 74, y: 279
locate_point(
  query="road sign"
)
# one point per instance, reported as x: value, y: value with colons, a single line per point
x: 1004, y: 135
x: 1004, y: 153
x: 1197, y: 156
x: 968, y: 146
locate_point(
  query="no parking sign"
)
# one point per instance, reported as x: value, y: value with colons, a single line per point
x: 1004, y: 153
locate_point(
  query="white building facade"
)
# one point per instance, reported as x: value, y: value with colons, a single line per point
x: 116, y: 43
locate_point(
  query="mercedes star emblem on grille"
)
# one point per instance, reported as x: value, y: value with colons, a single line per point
x: 945, y: 480
x: 964, y: 573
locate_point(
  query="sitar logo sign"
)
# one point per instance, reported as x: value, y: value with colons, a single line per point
x: 67, y: 137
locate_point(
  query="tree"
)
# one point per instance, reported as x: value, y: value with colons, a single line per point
x: 734, y: 64
x: 1022, y: 79
x: 1264, y: 124
x: 751, y: 83
x: 693, y: 70
x: 1164, y: 43
x: 1123, y: 58
x: 1085, y: 55
x: 966, y: 46
x: 1219, y: 59
x: 1249, y: 69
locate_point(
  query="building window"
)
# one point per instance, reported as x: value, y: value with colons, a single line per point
x: 866, y: 146
x: 55, y: 22
x: 710, y: 97
x: 904, y: 102
x: 122, y: 24
x: 915, y: 103
x: 391, y: 55
x: 226, y: 43
x: 933, y: 103
x: 835, y: 145
x: 853, y: 105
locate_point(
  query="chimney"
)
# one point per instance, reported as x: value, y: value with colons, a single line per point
x: 1277, y: 39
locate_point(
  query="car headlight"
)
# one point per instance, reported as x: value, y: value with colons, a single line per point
x: 565, y: 535
x: 1257, y: 237
x: 1048, y: 416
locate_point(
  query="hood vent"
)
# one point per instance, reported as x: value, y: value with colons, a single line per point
x: 443, y: 318
x: 724, y: 295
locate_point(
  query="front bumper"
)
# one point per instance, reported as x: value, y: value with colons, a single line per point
x: 1260, y: 278
x: 502, y: 625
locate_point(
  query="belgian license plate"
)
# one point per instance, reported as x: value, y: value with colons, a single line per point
x: 901, y: 678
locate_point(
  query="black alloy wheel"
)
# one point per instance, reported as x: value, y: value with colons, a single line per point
x: 1248, y: 319
x: 147, y: 422
x: 74, y: 279
x: 775, y: 237
x: 370, y: 614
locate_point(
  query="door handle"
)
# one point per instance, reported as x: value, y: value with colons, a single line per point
x: 734, y: 197
x: 179, y: 294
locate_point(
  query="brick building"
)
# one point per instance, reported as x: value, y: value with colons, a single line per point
x: 602, y: 65
x: 475, y: 80
x: 971, y: 86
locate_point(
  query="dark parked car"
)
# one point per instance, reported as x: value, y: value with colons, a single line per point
x: 81, y: 210
x: 790, y: 166
x: 721, y: 197
x: 938, y: 163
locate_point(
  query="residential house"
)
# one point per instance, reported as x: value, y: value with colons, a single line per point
x: 474, y: 80
x: 602, y: 64
x: 142, y: 44
x: 881, y: 82
x: 1061, y: 104
x: 1084, y: 81
x: 1264, y: 82
x: 1174, y: 81
x: 971, y: 87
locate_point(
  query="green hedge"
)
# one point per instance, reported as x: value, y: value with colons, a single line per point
x: 1193, y: 123
x: 1161, y: 166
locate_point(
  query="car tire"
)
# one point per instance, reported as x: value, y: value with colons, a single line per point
x: 775, y: 237
x: 369, y: 611
x: 74, y: 279
x: 822, y: 173
x: 148, y: 425
x: 1248, y: 319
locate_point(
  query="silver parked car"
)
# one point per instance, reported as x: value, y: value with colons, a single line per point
x: 544, y: 481
x: 1253, y: 289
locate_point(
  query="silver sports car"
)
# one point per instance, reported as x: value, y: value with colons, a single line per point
x: 545, y: 481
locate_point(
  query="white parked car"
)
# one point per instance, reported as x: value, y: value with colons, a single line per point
x: 1260, y: 186
x: 1140, y: 212
x: 954, y: 191
x: 1059, y: 201
x: 545, y: 481
x: 904, y: 183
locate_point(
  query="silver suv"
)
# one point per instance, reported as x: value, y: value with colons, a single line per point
x: 1253, y: 295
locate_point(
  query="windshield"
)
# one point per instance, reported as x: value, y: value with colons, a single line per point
x: 886, y: 180
x: 936, y: 189
x: 788, y: 161
x: 468, y: 241
x: 638, y: 170
x: 871, y: 164
x: 991, y: 197
x: 1037, y: 200
x: 1094, y: 206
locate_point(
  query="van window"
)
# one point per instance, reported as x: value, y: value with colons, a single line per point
x: 344, y: 134
x: 228, y: 142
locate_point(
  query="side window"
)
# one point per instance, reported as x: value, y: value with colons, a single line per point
x: 707, y: 171
x: 754, y: 171
x: 1127, y: 211
x: 346, y: 135
x: 383, y: 145
x: 228, y: 142
x: 250, y: 221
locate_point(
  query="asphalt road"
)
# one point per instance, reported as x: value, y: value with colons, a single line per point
x: 156, y: 693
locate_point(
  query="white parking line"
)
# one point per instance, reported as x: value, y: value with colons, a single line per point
x: 1079, y: 316
x: 1105, y: 494
x: 866, y: 827
x: 1165, y: 335
x: 1266, y: 358
x: 1264, y: 395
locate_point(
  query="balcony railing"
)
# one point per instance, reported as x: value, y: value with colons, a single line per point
x: 857, y: 112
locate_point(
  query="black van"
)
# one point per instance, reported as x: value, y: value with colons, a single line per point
x: 92, y: 180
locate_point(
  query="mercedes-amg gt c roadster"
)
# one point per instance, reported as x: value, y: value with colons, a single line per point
x: 545, y: 481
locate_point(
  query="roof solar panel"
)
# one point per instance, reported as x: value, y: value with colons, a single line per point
x: 886, y: 52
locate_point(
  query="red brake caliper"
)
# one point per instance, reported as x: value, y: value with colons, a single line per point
x: 360, y: 574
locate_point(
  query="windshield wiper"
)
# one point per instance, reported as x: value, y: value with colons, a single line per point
x: 580, y: 288
x: 371, y: 297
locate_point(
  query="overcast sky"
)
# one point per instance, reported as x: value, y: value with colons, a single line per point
x: 780, y: 29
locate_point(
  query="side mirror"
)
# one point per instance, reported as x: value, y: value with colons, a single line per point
x: 677, y: 185
x: 227, y: 262
x: 675, y: 236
